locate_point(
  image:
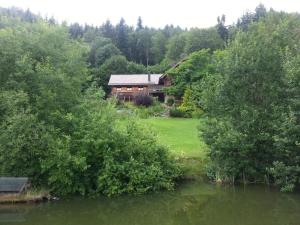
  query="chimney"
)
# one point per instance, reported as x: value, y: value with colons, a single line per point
x: 149, y: 77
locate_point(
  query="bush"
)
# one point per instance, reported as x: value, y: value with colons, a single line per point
x: 143, y: 99
x: 197, y: 113
x: 175, y: 112
x: 286, y: 177
x: 137, y: 164
x: 156, y: 109
x: 187, y: 113
x: 142, y: 112
x: 109, y: 158
x: 101, y: 155
x: 170, y: 101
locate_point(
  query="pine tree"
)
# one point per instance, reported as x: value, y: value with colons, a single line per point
x: 222, y: 29
x: 122, y: 37
x: 139, y: 25
x: 108, y: 31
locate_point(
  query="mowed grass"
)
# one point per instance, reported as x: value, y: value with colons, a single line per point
x: 180, y: 135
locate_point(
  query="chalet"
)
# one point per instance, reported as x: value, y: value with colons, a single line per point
x: 127, y: 86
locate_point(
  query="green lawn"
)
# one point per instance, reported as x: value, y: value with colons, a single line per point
x: 180, y: 135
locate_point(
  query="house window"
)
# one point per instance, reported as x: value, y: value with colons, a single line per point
x: 129, y: 89
x: 119, y: 89
x: 141, y: 88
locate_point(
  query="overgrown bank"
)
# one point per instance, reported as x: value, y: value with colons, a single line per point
x: 27, y: 197
x: 62, y: 134
x: 251, y: 102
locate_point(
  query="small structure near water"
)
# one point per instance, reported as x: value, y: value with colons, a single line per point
x: 15, y: 190
x: 13, y: 184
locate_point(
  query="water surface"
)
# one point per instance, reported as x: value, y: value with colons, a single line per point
x: 193, y: 203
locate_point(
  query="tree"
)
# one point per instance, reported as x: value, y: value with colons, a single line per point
x: 249, y: 17
x: 286, y: 170
x: 158, y: 48
x: 175, y: 47
x: 260, y: 12
x: 101, y: 50
x: 139, y: 25
x: 143, y: 46
x: 246, y: 128
x: 189, y: 72
x: 108, y: 30
x: 62, y: 136
x: 40, y: 87
x: 222, y: 29
x: 122, y: 31
x: 76, y: 30
x: 197, y: 39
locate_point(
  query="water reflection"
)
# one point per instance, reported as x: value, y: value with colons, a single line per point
x: 191, y: 204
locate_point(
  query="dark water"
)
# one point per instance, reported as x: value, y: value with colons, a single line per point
x: 193, y: 203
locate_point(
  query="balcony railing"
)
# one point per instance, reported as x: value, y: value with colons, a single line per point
x: 156, y: 88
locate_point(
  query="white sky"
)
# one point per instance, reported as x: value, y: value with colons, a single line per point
x: 155, y: 13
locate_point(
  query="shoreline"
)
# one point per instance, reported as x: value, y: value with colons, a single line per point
x: 28, y: 197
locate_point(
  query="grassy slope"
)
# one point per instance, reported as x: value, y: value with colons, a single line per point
x: 181, y: 136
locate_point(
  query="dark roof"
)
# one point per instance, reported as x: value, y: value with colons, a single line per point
x: 12, y: 184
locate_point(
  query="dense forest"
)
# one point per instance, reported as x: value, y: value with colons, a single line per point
x: 58, y: 129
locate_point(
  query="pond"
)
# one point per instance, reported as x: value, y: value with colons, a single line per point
x: 193, y: 203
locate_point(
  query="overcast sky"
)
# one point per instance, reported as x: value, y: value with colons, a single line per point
x: 155, y: 13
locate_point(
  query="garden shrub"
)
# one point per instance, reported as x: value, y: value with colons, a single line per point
x: 143, y: 100
x: 197, y: 113
x: 170, y: 102
x: 157, y: 109
x: 142, y: 112
x: 189, y: 106
x: 175, y: 112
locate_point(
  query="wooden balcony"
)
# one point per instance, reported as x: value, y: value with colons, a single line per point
x: 156, y: 89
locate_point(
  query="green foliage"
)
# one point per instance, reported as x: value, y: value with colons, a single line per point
x: 198, y: 39
x: 143, y: 100
x: 175, y: 48
x: 252, y: 104
x: 24, y: 140
x: 160, y: 68
x: 248, y: 18
x: 101, y: 50
x: 190, y: 72
x: 188, y: 105
x: 122, y: 33
x: 222, y: 29
x: 170, y: 101
x: 158, y: 49
x: 155, y: 110
x: 285, y: 176
x: 64, y: 137
x: 138, y: 167
x: 175, y: 112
